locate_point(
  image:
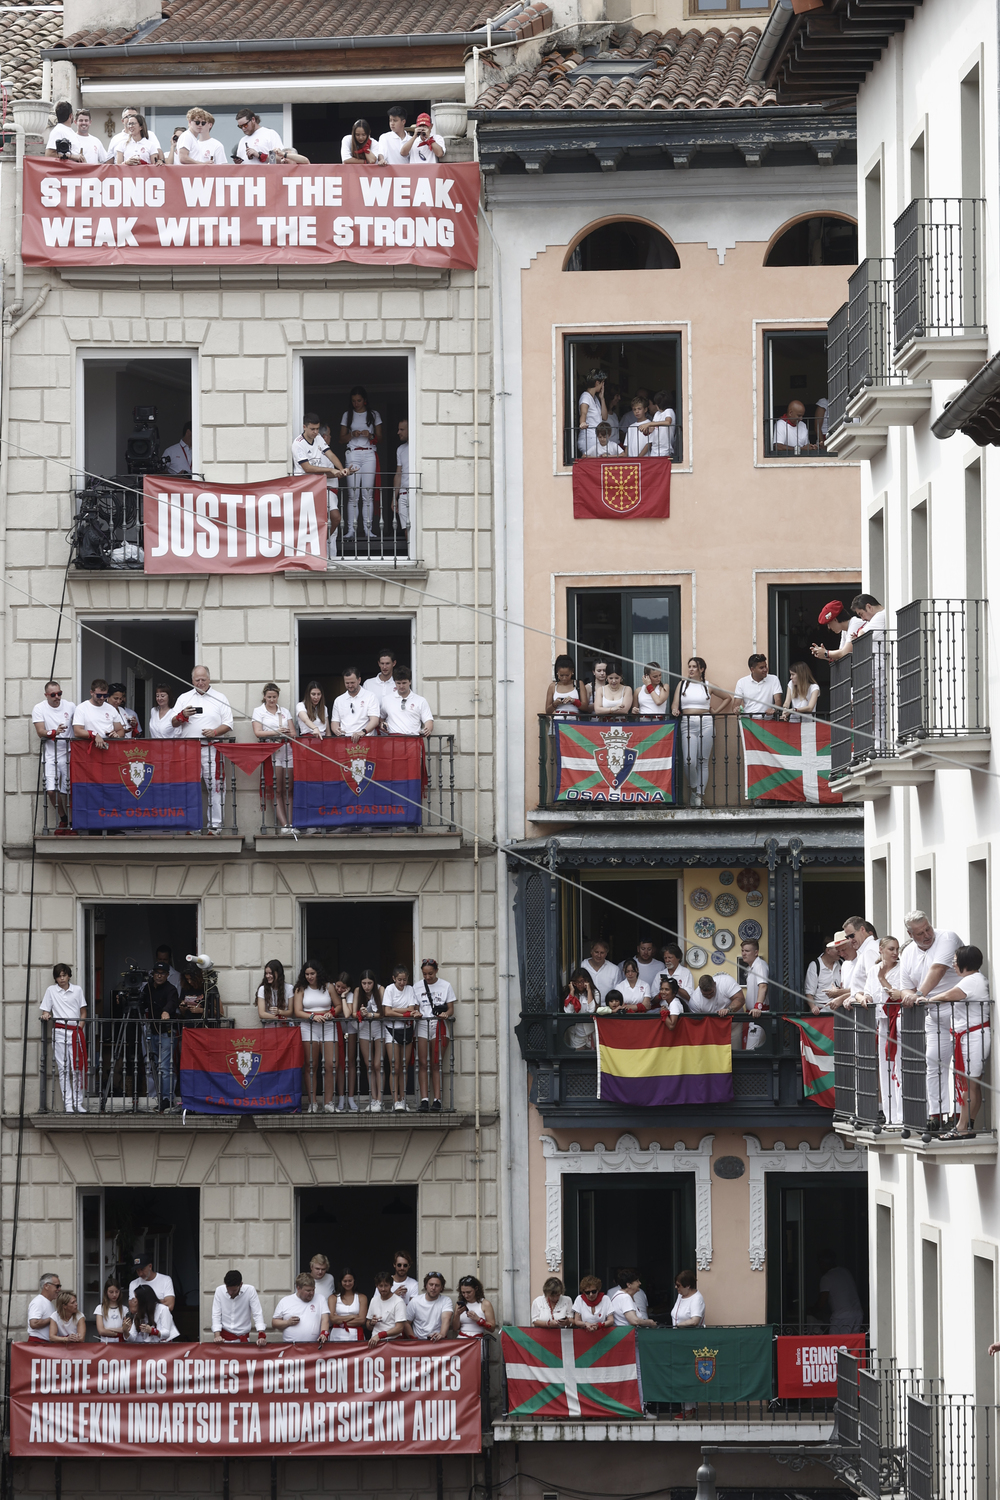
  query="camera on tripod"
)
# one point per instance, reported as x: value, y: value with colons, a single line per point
x: 131, y: 1001
x: 142, y: 448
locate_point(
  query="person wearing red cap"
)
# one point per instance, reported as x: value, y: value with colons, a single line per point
x: 843, y: 622
x: 422, y: 145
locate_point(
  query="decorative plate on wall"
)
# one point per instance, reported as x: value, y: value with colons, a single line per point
x: 696, y: 958
x: 704, y: 927
x: 755, y: 898
x: 724, y: 939
x: 726, y: 877
x: 748, y: 879
x: 700, y: 898
x: 750, y: 931
x: 727, y: 905
x: 718, y: 958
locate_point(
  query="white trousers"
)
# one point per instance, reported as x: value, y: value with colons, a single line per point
x: 215, y: 784
x: 697, y: 739
x: 890, y: 1076
x: 56, y: 758
x: 938, y: 1043
x: 361, y: 485
x: 72, y: 1084
x: 332, y: 504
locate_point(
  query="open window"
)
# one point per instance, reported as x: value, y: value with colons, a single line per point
x: 356, y: 935
x: 327, y: 646
x: 165, y: 122
x: 319, y: 129
x: 823, y: 240
x: 120, y: 937
x: 590, y: 913
x: 359, y: 1228
x: 828, y: 896
x: 810, y: 1216
x: 794, y: 627
x: 630, y: 626
x: 141, y: 653
x: 162, y: 1224
x: 635, y: 365
x: 648, y: 1223
x: 623, y: 245
x: 795, y: 379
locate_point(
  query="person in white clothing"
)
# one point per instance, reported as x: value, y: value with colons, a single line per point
x: 791, y: 431
x: 653, y: 697
x: 179, y: 457
x: 316, y: 1004
x: 63, y: 140
x: 270, y: 722
x: 312, y: 454
x: 755, y: 984
x: 600, y: 443
x: 623, y: 1306
x: 801, y: 694
x: 160, y: 1283
x: 386, y: 1312
x: 91, y: 148
x: 687, y: 1312
x: 65, y: 1005
x: 591, y: 408
x: 716, y: 995
x: 116, y: 700
x: 881, y: 990
x: 436, y: 1001
x: 684, y: 979
x: 660, y: 430
x: 197, y: 145
x: 822, y: 974
x: 969, y: 1001
x: 553, y: 1309
x: 926, y: 972
x: 347, y: 1310
x: 634, y: 991
x: 111, y: 1314
x: 152, y: 1319
x: 356, y: 711
x: 866, y: 950
x: 758, y: 694
x: 361, y: 433
x: 358, y: 147
x: 473, y: 1317
x: 423, y: 146
x: 428, y: 1314
x: 390, y: 143
x: 695, y: 701
x: 42, y: 1307
x: 603, y: 973
x: 303, y: 1317
x: 53, y: 721
x: 312, y: 718
x: 136, y: 149
x: 382, y: 685
x: 592, y: 1308
x: 68, y: 1325
x: 204, y: 714
x: 843, y: 622
x: 161, y: 716
x: 838, y: 1303
x: 637, y: 443
x: 319, y: 1270
x: 401, y: 480
x: 119, y: 141
x: 404, y: 711
x: 261, y: 144
x: 404, y: 1283
x: 96, y: 719
x: 236, y: 1310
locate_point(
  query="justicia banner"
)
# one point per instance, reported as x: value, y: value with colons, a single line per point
x: 190, y: 527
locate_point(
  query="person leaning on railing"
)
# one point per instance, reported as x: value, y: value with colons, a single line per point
x: 694, y: 704
x: 111, y: 1314
x: 969, y: 1000
x: 927, y: 971
x: 203, y: 713
x: 274, y: 996
x: 623, y: 1304
x: 67, y: 1325
x: 553, y: 1309
x: 271, y: 722
x: 65, y: 1005
x: 302, y: 1318
x: 97, y: 720
x: 53, y: 723
x: 592, y: 1308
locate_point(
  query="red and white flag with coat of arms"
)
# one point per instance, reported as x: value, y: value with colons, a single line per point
x: 621, y: 489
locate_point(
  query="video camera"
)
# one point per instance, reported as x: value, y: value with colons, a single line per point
x: 142, y: 448
x: 131, y: 1001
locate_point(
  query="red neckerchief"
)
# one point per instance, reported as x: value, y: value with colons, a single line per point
x: 594, y: 1301
x: 572, y: 1002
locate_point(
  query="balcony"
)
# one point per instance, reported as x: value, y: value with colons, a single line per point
x: 910, y: 702
x: 573, y: 435
x: 940, y: 316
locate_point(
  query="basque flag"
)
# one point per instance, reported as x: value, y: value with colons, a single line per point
x: 641, y: 1062
x: 571, y: 1372
x: 342, y: 783
x: 142, y: 784
x: 258, y: 1071
x: 816, y: 1038
x: 787, y: 762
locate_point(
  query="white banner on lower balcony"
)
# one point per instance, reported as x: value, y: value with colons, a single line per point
x: 190, y: 527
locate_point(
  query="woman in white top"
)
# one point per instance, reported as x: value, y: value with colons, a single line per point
x: 633, y: 990
x: 135, y: 151
x: 473, y: 1316
x: 111, y: 1315
x: 592, y: 1309
x: 361, y: 433
x: 565, y: 696
x: 882, y: 990
x: 591, y: 409
x: 151, y: 1319
x: 274, y: 996
x: 359, y: 146
x: 270, y: 722
x: 348, y: 1310
x: 347, y: 1045
x: 67, y: 1324
x: 969, y: 1001
x: 367, y: 1007
x: 612, y: 699
x: 552, y: 1309
x: 161, y: 714
x: 401, y: 1005
x: 316, y: 1006
x: 623, y: 1308
x: 688, y: 1312
x: 311, y: 715
x: 801, y: 695
x: 694, y: 703
x: 651, y: 699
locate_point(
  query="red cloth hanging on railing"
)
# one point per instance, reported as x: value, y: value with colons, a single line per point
x: 249, y: 757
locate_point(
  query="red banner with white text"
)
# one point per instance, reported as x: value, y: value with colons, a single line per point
x: 191, y: 527
x: 807, y: 1363
x: 187, y: 1400
x: 78, y: 215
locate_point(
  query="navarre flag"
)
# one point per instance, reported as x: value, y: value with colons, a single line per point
x: 628, y: 764
x: 136, y: 784
x: 640, y: 1061
x: 807, y: 1363
x: 787, y: 762
x: 256, y: 1071
x: 816, y: 1042
x: 343, y: 782
x: 706, y: 1364
x: 571, y: 1373
x: 615, y: 489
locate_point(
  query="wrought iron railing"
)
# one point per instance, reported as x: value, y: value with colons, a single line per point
x: 837, y: 365
x: 869, y: 296
x: 862, y: 702
x: 580, y: 442
x: 939, y: 268
x: 941, y: 655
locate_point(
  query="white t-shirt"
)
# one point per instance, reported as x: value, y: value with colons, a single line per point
x: 388, y: 147
x: 914, y: 962
x: 164, y: 1323
x: 237, y: 1314
x: 63, y: 1004
x: 597, y: 449
x: 867, y: 958
x: 62, y: 133
x: 635, y: 440
x: 121, y: 140
x: 788, y: 434
x: 542, y: 1312
x: 641, y: 1303
x: 648, y: 706
x: 279, y: 722
x: 347, y: 148
x: 50, y: 718
x: 161, y: 1285
x: 632, y: 994
x: 137, y: 151
x: 605, y: 978
x: 592, y: 414
x: 383, y: 691
x: 757, y: 974
x: 683, y: 976
x: 162, y: 728
x: 289, y: 992
x: 661, y: 441
x: 263, y: 139
x: 675, y: 1008
x: 40, y: 1307
x: 362, y: 434
x: 648, y: 973
x: 406, y: 715
x: 209, y: 151
x: 178, y: 458
x: 691, y: 1306
x: 425, y: 1315
x: 977, y: 1012
x: 874, y: 626
x: 408, y: 1288
x: 317, y: 726
x: 93, y: 151
x: 309, y: 1314
x: 309, y: 453
x: 354, y: 712
x: 99, y: 718
x: 113, y: 1318
x: 403, y: 465
x: 394, y: 998
x: 421, y: 150
x: 593, y: 1315
x: 216, y: 712
x: 819, y: 979
x: 441, y: 992
x: 823, y: 405
x: 621, y: 1303
x: 758, y: 696
x: 725, y: 990
x: 386, y: 1312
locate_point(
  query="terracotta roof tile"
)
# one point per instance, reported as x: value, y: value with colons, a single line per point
x: 22, y: 36
x: 673, y: 70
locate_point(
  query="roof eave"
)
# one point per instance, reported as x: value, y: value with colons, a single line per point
x: 278, y: 44
x: 761, y: 113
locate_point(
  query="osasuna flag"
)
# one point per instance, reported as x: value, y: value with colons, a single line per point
x: 617, y: 489
x: 807, y: 1364
x: 816, y: 1042
x: 143, y: 784
x: 571, y: 1373
x: 257, y: 1071
x: 375, y: 780
x: 620, y: 763
x: 642, y: 1062
x: 786, y: 762
x: 191, y: 527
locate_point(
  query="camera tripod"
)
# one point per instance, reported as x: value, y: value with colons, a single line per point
x: 128, y: 1029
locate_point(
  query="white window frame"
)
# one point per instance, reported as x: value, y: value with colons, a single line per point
x: 88, y: 618
x: 760, y: 327
x: 84, y: 353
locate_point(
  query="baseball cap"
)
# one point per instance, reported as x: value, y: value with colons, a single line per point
x: 831, y: 611
x: 423, y: 120
x: 161, y: 968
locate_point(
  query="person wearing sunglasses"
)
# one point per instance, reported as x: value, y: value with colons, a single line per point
x: 42, y: 1309
x: 98, y: 719
x: 53, y: 721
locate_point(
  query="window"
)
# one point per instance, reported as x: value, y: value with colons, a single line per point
x: 356, y: 935
x: 827, y: 898
x: 923, y: 891
x: 585, y: 917
x: 880, y: 895
x: 931, y: 1302
x: 327, y: 646
x: 629, y: 1222
x: 885, y: 1279
x: 794, y: 627
x: 162, y: 1223
x: 795, y: 380
x: 874, y: 238
x: 809, y: 1213
x: 876, y: 554
x: 140, y: 653
x: 918, y: 167
x: 163, y: 122
x: 822, y: 240
x: 628, y: 626
x: 626, y: 245
x: 920, y: 583
x: 635, y: 364
x: 319, y: 129
x: 118, y: 936
x: 973, y: 531
x: 979, y: 909
x: 972, y: 129
x: 356, y: 1227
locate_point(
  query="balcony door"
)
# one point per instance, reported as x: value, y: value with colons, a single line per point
x: 629, y: 1221
x: 809, y: 1213
x: 794, y: 627
x: 629, y: 626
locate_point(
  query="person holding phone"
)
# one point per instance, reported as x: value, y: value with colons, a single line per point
x: 422, y: 145
x: 205, y: 714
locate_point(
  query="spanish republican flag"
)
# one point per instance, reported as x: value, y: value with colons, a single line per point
x: 641, y: 1062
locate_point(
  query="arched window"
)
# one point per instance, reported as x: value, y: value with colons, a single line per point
x: 820, y: 241
x: 625, y: 245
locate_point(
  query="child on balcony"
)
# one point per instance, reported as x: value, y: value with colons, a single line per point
x: 581, y: 1000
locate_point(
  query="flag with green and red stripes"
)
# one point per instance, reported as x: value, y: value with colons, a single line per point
x: 624, y: 763
x: 816, y: 1041
x: 786, y: 762
x: 571, y: 1372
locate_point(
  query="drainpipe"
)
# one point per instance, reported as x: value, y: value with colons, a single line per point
x: 476, y: 874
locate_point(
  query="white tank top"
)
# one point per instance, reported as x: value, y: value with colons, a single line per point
x: 608, y: 699
x: 566, y: 701
x: 694, y: 695
x: 339, y: 1334
x: 316, y: 1000
x: 648, y: 706
x: 467, y: 1327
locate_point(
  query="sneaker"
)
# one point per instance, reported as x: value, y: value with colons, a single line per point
x: 400, y: 1105
x: 425, y: 1107
x: 375, y: 1107
x: 436, y: 1107
x: 81, y: 1109
x: 312, y: 1108
x: 341, y: 1105
x: 352, y: 1105
x: 287, y: 828
x: 330, y: 1108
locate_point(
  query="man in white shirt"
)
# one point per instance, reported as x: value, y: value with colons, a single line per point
x: 822, y: 974
x: 422, y: 146
x: 65, y: 1005
x: 757, y: 978
x: 91, y: 148
x: 311, y: 454
x: 636, y: 438
x: 53, y: 721
x: 356, y: 711
x: 197, y: 146
x: 260, y: 143
x: 866, y: 950
x: 386, y: 1312
x: 838, y: 1296
x: 63, y: 135
x: 390, y: 143
x: 672, y: 965
x: 716, y: 995
x: 401, y: 479
x: 758, y: 694
x: 120, y: 141
x: 647, y: 963
x: 791, y: 431
x: 178, y: 456
x: 403, y: 1283
x: 822, y: 421
x: 302, y: 1318
x: 661, y: 429
x: 383, y: 686
x: 96, y: 719
x: 235, y: 1310
x: 204, y: 714
x: 161, y: 1284
x: 42, y: 1309
x: 406, y: 712
x: 926, y: 971
x: 429, y: 1313
x: 603, y: 973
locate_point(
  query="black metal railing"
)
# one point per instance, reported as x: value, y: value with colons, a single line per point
x: 941, y: 656
x: 862, y: 702
x: 581, y: 442
x: 837, y: 365
x: 869, y: 297
x: 939, y: 268
x: 785, y: 438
